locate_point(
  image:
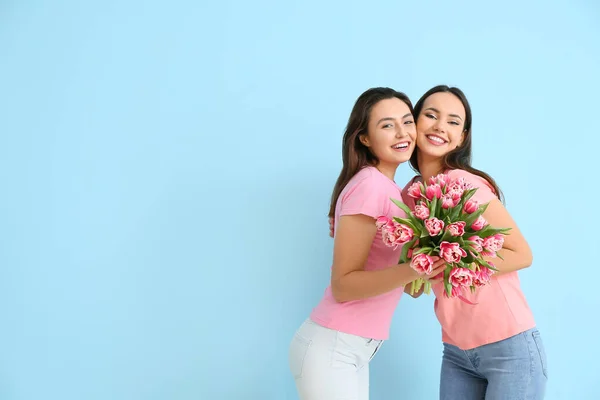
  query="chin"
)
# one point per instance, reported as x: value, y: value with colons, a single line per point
x: 402, y: 160
x: 431, y: 151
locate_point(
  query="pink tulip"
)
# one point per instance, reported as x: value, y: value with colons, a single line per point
x: 471, y: 206
x: 483, y: 276
x: 433, y: 191
x: 478, y: 246
x: 397, y: 234
x: 422, y: 263
x: 421, y: 211
x: 451, y: 252
x: 440, y: 179
x: 447, y: 202
x: 434, y: 226
x: 383, y: 221
x: 463, y: 184
x: 457, y: 228
x: 415, y: 190
x: 404, y: 233
x: 461, y: 277
x: 456, y: 197
x: 493, y: 243
x: 455, y: 190
x: 479, y: 223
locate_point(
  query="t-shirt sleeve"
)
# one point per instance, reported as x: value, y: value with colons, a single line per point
x: 367, y: 197
x: 485, y: 192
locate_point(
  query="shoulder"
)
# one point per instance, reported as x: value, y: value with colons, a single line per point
x: 368, y: 192
x: 370, y: 177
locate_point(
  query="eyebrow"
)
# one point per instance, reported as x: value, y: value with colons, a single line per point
x: 438, y: 111
x: 392, y: 119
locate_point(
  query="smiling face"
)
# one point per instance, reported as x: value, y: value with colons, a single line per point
x: 391, y: 133
x: 440, y: 125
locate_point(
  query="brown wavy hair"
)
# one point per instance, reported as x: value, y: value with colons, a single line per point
x: 459, y: 158
x: 356, y: 155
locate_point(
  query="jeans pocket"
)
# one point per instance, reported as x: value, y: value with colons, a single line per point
x: 298, y: 349
x: 537, y: 338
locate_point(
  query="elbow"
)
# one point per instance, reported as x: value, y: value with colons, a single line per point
x: 339, y: 296
x: 529, y: 260
x: 526, y: 258
x: 338, y: 292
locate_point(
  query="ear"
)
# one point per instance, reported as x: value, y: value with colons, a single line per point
x: 364, y: 139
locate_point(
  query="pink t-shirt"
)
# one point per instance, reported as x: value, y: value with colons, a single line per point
x: 501, y: 310
x: 369, y: 193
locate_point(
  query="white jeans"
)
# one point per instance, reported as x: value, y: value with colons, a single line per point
x: 331, y: 365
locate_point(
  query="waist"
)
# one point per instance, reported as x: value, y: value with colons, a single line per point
x: 500, y: 311
x: 369, y: 317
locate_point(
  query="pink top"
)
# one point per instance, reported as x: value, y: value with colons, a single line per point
x: 501, y: 310
x: 368, y: 193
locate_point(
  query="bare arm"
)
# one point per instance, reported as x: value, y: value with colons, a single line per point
x: 349, y: 281
x: 516, y: 251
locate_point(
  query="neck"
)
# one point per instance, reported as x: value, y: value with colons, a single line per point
x: 429, y: 166
x: 388, y: 170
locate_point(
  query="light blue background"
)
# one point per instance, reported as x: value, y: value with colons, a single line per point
x: 166, y: 170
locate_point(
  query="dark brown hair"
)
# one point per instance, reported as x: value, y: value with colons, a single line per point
x: 459, y: 158
x: 356, y: 155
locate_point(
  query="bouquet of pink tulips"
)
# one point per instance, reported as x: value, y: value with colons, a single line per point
x: 447, y: 223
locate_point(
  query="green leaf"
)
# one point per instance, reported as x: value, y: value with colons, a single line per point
x: 402, y: 206
x: 490, y: 231
x: 467, y: 194
x: 487, y: 265
x: 433, y: 208
x: 425, y: 242
x: 447, y: 284
x: 404, y: 252
x: 407, y: 223
x: 446, y: 236
x: 472, y: 217
x: 443, y: 214
x: 469, y: 258
x: 423, y: 250
x: 457, y: 210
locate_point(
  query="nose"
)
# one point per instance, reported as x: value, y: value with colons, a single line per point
x: 401, y: 131
x: 438, y: 126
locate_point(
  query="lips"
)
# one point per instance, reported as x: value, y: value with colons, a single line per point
x: 401, y: 146
x: 436, y: 140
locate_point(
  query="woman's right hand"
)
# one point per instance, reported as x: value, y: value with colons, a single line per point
x: 436, y: 275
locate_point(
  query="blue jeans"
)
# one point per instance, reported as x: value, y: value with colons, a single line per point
x: 512, y: 369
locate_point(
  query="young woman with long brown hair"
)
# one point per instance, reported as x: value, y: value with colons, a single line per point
x: 330, y: 352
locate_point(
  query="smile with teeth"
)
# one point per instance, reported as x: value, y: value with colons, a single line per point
x: 435, y: 139
x: 400, y: 146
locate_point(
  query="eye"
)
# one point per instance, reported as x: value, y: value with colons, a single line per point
x: 455, y: 123
x: 386, y: 126
x: 409, y: 122
x: 430, y: 116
